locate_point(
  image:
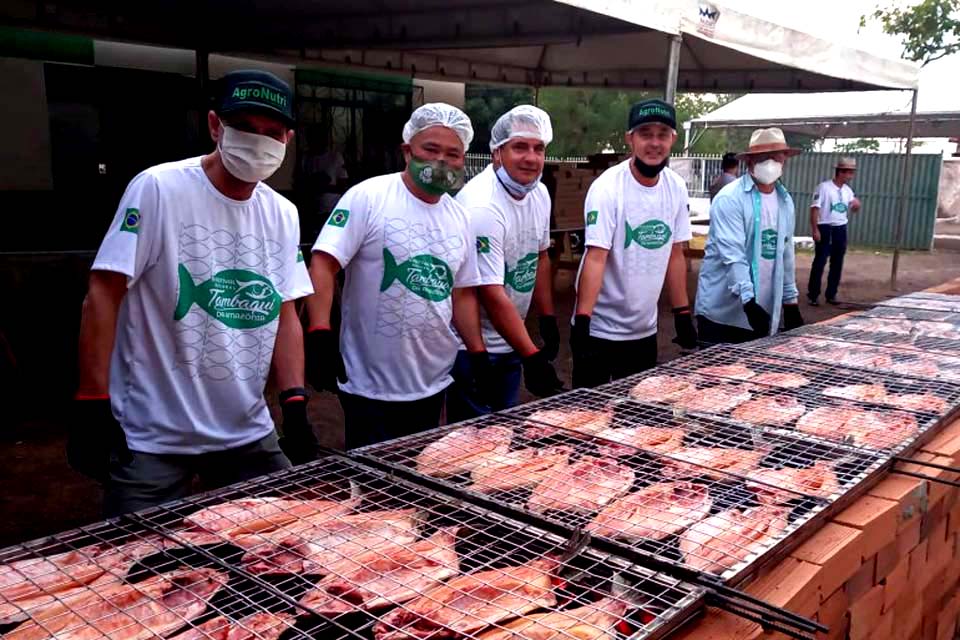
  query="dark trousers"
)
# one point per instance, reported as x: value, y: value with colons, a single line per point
x: 607, y: 360
x: 368, y: 421
x: 832, y: 245
x: 152, y: 479
x: 711, y: 333
x: 506, y: 372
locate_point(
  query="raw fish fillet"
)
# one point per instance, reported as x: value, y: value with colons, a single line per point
x: 584, y: 486
x: 721, y: 541
x: 463, y: 449
x: 654, y: 512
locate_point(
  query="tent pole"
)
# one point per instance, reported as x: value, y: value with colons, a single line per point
x: 673, y: 69
x: 905, y: 190
x: 686, y: 137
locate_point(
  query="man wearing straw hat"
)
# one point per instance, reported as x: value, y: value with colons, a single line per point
x: 748, y: 272
x: 832, y: 201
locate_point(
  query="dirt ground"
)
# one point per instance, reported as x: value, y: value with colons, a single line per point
x: 42, y: 495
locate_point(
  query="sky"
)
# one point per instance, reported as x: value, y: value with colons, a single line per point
x: 841, y: 19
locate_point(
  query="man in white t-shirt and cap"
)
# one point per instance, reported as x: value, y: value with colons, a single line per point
x: 748, y: 274
x: 832, y: 202
x: 637, y: 219
x: 510, y: 215
x: 410, y: 263
x: 190, y: 303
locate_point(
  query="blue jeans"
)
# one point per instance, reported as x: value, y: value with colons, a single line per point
x: 832, y: 245
x: 506, y: 370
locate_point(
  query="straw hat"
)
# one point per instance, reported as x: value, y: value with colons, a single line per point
x: 767, y: 141
x: 847, y: 163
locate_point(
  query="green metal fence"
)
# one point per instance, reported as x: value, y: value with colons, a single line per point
x: 877, y: 185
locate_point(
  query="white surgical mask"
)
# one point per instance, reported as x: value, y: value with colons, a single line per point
x: 768, y: 171
x: 514, y: 187
x: 250, y: 157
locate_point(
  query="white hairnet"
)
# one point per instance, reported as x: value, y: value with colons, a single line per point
x: 439, y: 114
x: 524, y: 121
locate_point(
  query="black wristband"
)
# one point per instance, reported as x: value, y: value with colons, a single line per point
x: 293, y: 392
x: 679, y: 310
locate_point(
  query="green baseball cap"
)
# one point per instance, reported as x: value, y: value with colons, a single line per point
x: 653, y: 110
x: 255, y: 90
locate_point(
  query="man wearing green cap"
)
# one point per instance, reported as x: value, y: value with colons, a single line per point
x: 190, y: 304
x: 637, y: 218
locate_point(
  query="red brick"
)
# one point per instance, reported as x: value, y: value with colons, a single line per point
x: 895, y: 584
x: 887, y: 559
x: 791, y: 583
x: 862, y: 581
x: 934, y: 517
x: 947, y: 619
x: 836, y: 548
x: 932, y: 590
x: 908, y: 615
x: 939, y: 548
x: 833, y: 610
x: 946, y: 442
x: 884, y: 628
x: 910, y: 493
x: 918, y: 562
x: 865, y: 613
x: 935, y: 490
x: 953, y: 520
x: 718, y: 625
x: 876, y: 517
x: 909, y: 537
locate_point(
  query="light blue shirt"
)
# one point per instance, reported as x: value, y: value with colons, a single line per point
x: 728, y: 273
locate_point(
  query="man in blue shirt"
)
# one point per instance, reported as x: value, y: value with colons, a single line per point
x: 748, y: 270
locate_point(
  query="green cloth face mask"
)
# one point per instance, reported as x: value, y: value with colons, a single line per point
x: 435, y: 177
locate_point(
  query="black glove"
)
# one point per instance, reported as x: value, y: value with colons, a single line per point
x: 585, y: 373
x: 758, y: 318
x: 539, y: 375
x: 95, y: 439
x: 550, y: 334
x: 791, y: 317
x: 481, y: 376
x: 299, y: 443
x: 686, y: 332
x: 324, y: 363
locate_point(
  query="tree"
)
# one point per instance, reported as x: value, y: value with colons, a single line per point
x: 485, y: 104
x: 929, y: 30
x: 859, y: 146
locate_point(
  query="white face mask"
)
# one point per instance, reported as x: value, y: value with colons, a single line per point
x: 768, y: 171
x: 250, y: 157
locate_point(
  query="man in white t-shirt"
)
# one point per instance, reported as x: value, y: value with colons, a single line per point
x: 637, y: 219
x: 190, y: 303
x: 748, y: 273
x: 832, y: 201
x: 410, y: 264
x: 510, y: 214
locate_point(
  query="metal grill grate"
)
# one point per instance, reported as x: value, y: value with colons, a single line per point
x: 329, y: 550
x: 865, y: 410
x: 907, y: 313
x: 926, y: 301
x: 709, y: 494
x: 923, y: 335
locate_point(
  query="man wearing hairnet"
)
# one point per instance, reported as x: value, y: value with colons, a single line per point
x: 510, y: 215
x: 410, y: 265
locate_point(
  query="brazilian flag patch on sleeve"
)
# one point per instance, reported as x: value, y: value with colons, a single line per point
x: 483, y: 244
x: 131, y: 221
x: 339, y: 218
x: 592, y: 217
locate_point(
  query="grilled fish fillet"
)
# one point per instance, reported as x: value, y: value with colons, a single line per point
x: 917, y: 402
x: 595, y: 621
x: 122, y: 611
x: 250, y: 515
x: 551, y: 422
x: 662, y: 388
x: 717, y: 399
x: 259, y: 626
x: 721, y: 541
x: 468, y: 603
x: 463, y: 449
x: 714, y: 462
x: 875, y: 393
x: 737, y: 371
x: 584, y: 486
x: 769, y: 484
x: 390, y: 575
x: 781, y: 380
x: 309, y: 548
x: 520, y: 469
x: 772, y: 410
x: 619, y: 442
x: 863, y: 428
x: 654, y: 512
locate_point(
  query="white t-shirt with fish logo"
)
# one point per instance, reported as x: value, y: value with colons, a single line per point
x: 196, y: 330
x: 402, y: 259
x: 639, y: 225
x: 833, y: 203
x: 510, y: 236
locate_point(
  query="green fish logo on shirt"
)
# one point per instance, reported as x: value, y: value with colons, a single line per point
x: 425, y: 275
x: 238, y: 298
x: 524, y: 275
x: 652, y: 234
x: 768, y: 244
x: 838, y: 207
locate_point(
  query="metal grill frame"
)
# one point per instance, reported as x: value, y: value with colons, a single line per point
x: 912, y: 341
x: 925, y: 301
x: 891, y: 312
x: 684, y: 602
